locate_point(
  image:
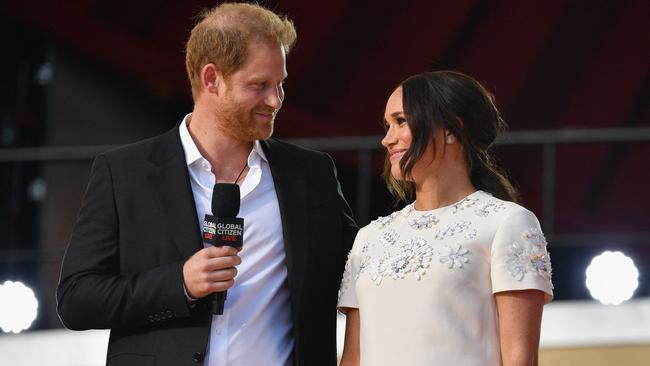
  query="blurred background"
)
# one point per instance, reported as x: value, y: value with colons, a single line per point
x: 572, y: 79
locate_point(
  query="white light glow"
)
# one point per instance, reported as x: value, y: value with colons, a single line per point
x: 612, y: 278
x: 18, y: 307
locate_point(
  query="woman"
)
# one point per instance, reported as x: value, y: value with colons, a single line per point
x: 459, y: 276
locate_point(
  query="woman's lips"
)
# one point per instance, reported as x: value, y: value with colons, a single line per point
x: 397, y: 154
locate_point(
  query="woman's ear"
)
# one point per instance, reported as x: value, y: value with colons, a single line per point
x: 449, y: 137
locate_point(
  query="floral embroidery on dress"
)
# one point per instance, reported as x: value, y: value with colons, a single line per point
x: 410, y: 256
x: 384, y: 220
x: 470, y: 234
x: 407, y: 209
x: 347, y: 276
x: 455, y: 256
x: 398, y: 265
x: 529, y: 255
x: 424, y: 221
x: 451, y: 230
x: 365, y: 259
x: 492, y: 206
x: 465, y: 203
x: 347, y: 272
x: 389, y: 238
x: 535, y: 236
x: 375, y: 269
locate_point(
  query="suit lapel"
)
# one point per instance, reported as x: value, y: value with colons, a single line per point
x: 291, y: 190
x: 170, y: 179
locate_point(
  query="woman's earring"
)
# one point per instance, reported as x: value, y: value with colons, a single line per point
x: 450, y: 140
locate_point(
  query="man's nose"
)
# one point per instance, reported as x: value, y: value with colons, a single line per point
x: 275, y: 97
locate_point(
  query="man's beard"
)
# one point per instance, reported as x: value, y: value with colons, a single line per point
x: 239, y: 122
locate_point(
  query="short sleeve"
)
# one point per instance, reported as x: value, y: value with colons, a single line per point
x: 520, y: 260
x: 347, y: 292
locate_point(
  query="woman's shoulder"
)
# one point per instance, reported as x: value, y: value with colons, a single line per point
x: 507, y: 216
x: 382, y: 222
x: 488, y: 204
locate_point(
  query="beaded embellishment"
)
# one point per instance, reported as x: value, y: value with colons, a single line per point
x: 410, y: 256
x: 465, y: 203
x: 424, y: 221
x: 407, y: 209
x: 347, y: 276
x: 389, y: 238
x: 490, y: 207
x: 470, y: 234
x: 383, y: 221
x: 454, y: 256
x: 529, y: 255
x: 451, y: 230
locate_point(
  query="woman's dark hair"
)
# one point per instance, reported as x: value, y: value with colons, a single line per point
x: 460, y: 104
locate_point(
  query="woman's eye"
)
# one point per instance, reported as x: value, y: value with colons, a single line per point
x: 400, y: 120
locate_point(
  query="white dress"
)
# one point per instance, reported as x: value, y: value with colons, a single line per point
x: 423, y: 281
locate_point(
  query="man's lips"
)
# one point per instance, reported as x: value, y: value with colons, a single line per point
x: 265, y: 114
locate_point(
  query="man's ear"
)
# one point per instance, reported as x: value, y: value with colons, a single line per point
x: 211, y: 78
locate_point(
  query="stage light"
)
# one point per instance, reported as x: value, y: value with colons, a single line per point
x: 18, y: 307
x: 612, y: 278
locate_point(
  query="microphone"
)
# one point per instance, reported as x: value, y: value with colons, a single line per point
x: 223, y: 227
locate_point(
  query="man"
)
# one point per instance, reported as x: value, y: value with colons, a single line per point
x: 136, y: 263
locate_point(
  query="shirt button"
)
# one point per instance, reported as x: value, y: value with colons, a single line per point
x: 218, y: 332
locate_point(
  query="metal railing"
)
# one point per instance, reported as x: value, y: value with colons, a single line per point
x: 548, y: 139
x: 365, y: 146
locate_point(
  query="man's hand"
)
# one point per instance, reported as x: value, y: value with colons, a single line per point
x: 210, y: 270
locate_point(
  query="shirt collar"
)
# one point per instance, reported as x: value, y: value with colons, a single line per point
x: 192, y: 153
x: 257, y: 150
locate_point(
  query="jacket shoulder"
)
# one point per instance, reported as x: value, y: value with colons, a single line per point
x: 157, y: 148
x: 294, y: 152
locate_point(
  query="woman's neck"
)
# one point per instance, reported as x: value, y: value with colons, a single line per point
x: 444, y: 189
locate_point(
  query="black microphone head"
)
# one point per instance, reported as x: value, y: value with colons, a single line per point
x: 225, y: 200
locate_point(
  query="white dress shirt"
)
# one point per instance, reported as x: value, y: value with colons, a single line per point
x: 256, y: 326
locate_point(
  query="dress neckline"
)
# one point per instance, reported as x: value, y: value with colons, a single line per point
x: 437, y: 209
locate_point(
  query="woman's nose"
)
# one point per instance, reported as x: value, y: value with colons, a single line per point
x: 388, y: 139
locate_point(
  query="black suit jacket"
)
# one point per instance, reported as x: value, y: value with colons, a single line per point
x: 138, y: 225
